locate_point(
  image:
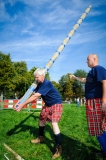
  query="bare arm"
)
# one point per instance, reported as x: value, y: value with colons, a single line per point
x: 35, y: 96
x: 78, y: 78
x: 32, y: 98
x: 104, y: 95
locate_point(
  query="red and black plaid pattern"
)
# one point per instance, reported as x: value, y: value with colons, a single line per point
x: 96, y: 118
x: 51, y: 114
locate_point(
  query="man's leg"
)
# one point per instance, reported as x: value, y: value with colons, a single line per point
x: 57, y: 136
x: 102, y: 141
x: 42, y: 123
x: 40, y: 138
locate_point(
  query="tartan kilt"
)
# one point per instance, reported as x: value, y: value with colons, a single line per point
x: 96, y: 118
x: 51, y: 114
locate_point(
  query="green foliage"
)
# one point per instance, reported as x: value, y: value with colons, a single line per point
x: 78, y: 87
x: 80, y: 73
x: 66, y: 87
x: 32, y: 74
x: 47, y: 76
x: 56, y: 85
x: 7, y: 73
x: 15, y: 80
x: 22, y: 79
x: 17, y: 129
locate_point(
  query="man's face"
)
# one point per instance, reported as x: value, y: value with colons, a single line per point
x: 39, y: 78
x: 90, y: 61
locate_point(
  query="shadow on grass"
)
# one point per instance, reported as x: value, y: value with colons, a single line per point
x: 76, y: 150
x: 72, y: 148
x: 21, y: 127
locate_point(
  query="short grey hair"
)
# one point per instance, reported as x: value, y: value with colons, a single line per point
x: 40, y: 71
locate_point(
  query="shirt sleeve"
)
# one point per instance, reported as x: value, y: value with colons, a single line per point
x: 100, y: 73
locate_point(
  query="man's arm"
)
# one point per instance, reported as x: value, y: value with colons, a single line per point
x: 104, y: 95
x: 77, y: 78
x: 32, y: 98
x: 35, y: 96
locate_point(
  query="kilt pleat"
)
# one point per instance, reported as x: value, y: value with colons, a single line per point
x: 96, y: 118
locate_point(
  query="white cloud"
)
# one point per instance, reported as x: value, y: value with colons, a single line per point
x: 3, y: 14
x: 35, y: 33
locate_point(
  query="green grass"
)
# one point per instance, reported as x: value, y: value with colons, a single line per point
x: 17, y: 129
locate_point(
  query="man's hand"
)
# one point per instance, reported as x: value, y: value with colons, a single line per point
x: 18, y: 107
x: 72, y: 76
x: 14, y: 107
x: 104, y: 106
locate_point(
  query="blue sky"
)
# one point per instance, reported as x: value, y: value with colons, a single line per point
x: 32, y: 30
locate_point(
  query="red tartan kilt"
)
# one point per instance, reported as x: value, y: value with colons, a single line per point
x: 96, y: 118
x: 51, y: 114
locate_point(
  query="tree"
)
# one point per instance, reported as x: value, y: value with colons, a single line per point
x: 66, y: 87
x: 22, y: 78
x: 78, y: 87
x: 32, y: 74
x: 7, y: 74
x: 47, y: 76
x: 56, y: 85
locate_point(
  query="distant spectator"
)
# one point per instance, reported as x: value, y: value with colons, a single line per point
x: 78, y: 102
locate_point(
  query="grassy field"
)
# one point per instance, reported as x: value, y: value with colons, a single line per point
x: 17, y: 129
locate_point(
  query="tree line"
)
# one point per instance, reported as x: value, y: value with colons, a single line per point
x: 15, y: 80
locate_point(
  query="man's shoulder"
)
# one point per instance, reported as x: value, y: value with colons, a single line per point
x: 99, y: 67
x: 47, y: 82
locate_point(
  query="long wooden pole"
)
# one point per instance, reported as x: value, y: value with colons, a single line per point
x: 66, y: 40
x: 57, y: 53
x: 17, y: 156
